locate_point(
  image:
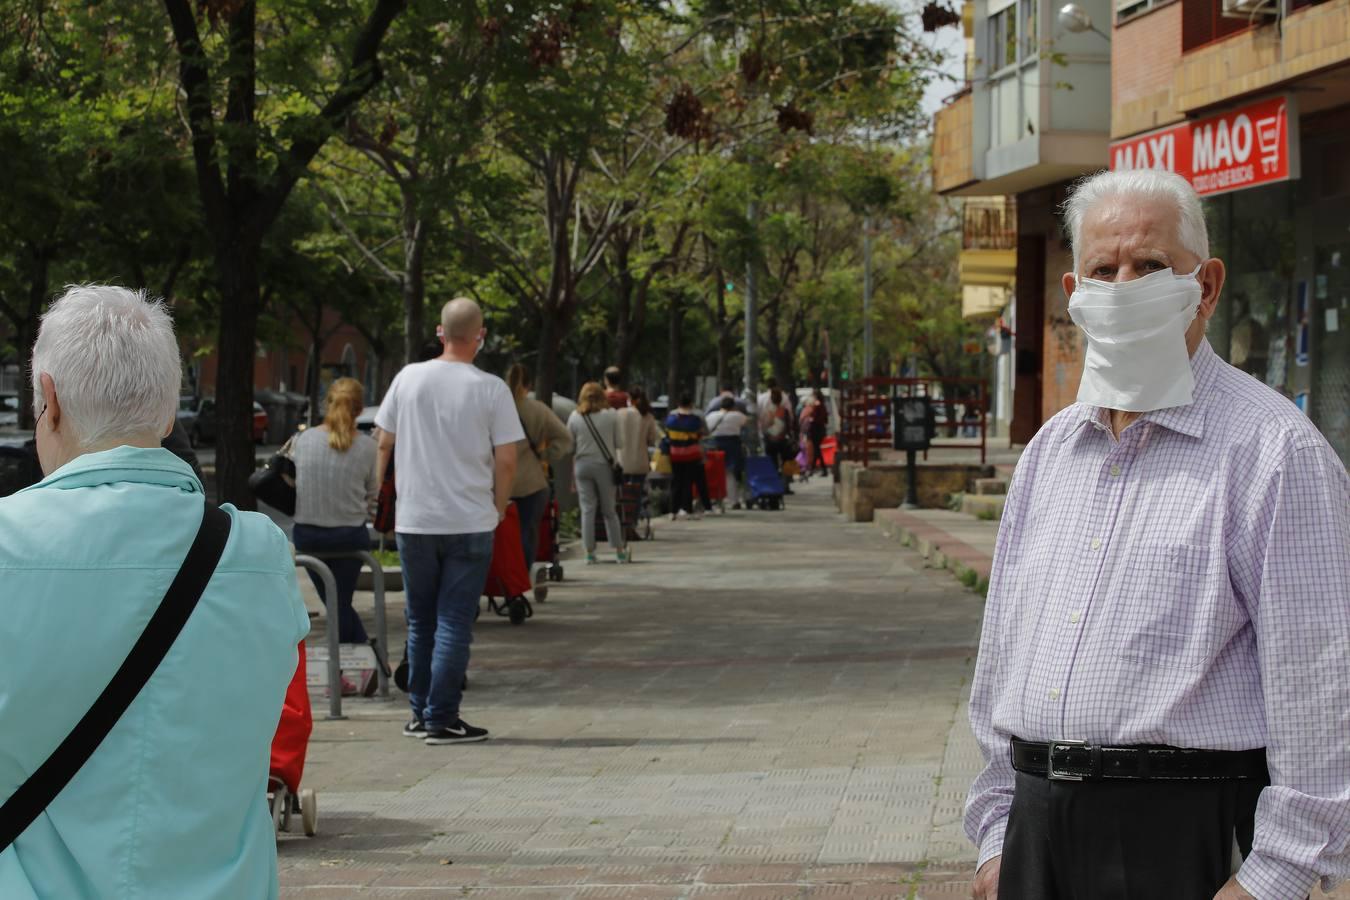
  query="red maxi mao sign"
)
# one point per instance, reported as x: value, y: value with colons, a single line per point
x: 1253, y: 145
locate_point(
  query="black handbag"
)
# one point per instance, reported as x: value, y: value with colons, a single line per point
x: 274, y: 483
x: 49, y: 779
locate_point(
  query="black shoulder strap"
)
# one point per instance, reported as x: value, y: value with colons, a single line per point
x: 595, y: 433
x: 43, y: 786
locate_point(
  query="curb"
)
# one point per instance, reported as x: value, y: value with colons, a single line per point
x: 939, y: 549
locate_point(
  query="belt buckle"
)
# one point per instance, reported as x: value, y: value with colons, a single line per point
x: 1051, y: 774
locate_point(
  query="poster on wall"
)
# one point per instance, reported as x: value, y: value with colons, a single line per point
x: 1251, y: 145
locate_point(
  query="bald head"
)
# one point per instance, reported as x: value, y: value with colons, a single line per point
x: 461, y: 320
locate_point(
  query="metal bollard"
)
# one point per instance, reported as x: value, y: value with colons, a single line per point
x: 331, y: 621
x: 381, y: 617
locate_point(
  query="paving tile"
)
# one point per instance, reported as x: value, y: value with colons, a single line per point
x: 776, y: 731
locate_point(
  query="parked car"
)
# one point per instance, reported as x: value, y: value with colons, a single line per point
x: 204, y: 422
x: 9, y: 411
x: 366, y: 421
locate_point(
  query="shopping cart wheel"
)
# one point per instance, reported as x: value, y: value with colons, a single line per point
x: 555, y: 572
x: 518, y: 609
x: 541, y: 592
x: 279, y: 806
x: 309, y: 812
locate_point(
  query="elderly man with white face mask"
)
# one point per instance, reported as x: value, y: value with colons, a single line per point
x: 1164, y: 669
x: 146, y: 636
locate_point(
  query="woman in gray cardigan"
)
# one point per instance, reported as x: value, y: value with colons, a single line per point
x: 595, y: 434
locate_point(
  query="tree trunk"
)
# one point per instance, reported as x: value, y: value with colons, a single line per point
x: 415, y: 233
x: 25, y: 334
x: 546, y: 370
x: 240, y: 304
x: 675, y: 349
x: 315, y: 363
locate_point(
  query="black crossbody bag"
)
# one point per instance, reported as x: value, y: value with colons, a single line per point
x: 50, y: 778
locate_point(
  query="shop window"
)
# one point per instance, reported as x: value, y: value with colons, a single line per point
x: 1203, y: 22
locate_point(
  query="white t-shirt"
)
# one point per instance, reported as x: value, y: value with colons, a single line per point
x: 447, y: 418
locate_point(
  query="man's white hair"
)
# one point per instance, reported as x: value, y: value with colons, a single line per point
x: 112, y: 355
x: 1154, y: 184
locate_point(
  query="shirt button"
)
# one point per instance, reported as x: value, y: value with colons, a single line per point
x: 1075, y: 616
x: 1115, y: 471
x: 1096, y: 543
x: 1054, y: 693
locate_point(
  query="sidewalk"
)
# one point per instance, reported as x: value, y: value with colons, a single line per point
x: 763, y: 705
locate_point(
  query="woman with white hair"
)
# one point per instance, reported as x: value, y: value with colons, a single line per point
x: 95, y: 561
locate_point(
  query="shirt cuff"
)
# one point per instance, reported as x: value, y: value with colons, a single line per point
x: 1274, y: 879
x: 992, y: 845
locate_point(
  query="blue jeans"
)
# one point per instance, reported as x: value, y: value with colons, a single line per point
x: 318, y: 539
x: 443, y: 577
x: 531, y: 508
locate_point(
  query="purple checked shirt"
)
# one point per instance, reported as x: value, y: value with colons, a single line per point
x: 1189, y: 585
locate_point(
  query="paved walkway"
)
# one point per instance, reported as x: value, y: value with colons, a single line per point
x: 763, y: 705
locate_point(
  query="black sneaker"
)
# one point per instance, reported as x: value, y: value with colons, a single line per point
x: 415, y: 728
x: 459, y: 732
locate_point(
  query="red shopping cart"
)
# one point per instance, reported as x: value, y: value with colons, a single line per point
x: 289, y: 746
x: 715, y: 469
x: 508, y: 578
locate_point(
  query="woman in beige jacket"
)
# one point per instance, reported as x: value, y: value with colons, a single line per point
x: 547, y: 440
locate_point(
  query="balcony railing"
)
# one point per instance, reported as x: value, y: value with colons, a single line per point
x: 989, y: 223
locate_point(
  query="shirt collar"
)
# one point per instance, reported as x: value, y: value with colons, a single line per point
x: 1188, y: 420
x: 124, y: 464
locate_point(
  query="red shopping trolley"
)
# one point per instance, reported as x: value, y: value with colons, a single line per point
x: 508, y: 578
x: 289, y: 746
x: 715, y: 470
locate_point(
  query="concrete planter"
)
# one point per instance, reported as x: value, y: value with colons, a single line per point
x: 393, y: 580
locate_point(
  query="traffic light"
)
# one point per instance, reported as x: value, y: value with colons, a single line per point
x: 731, y: 287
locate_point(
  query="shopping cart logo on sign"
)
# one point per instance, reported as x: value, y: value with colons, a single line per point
x: 1268, y: 133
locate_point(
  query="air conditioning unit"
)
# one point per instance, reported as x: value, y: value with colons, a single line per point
x: 1250, y: 9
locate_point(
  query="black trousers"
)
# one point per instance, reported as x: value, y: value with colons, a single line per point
x: 684, y: 477
x: 1124, y: 840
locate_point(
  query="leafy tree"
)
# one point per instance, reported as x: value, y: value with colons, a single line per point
x: 264, y: 89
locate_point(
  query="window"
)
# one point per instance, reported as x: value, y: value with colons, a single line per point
x: 1003, y: 38
x: 1030, y: 32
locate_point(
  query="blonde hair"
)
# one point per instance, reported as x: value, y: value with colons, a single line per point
x: 592, y: 398
x: 346, y: 397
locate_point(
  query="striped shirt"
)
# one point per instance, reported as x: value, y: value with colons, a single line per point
x: 1189, y: 585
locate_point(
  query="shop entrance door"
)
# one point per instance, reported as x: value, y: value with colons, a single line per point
x: 1330, y: 326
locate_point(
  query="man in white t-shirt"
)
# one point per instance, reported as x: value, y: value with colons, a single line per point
x: 726, y: 426
x: 452, y: 429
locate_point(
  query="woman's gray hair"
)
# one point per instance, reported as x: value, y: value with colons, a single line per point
x: 112, y: 355
x: 1151, y: 183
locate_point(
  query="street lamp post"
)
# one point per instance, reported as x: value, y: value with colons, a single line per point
x: 867, y: 297
x: 751, y: 301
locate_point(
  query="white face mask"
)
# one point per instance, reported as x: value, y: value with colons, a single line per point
x: 1136, y: 355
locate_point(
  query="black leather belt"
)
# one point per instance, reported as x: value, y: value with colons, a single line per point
x: 1080, y: 761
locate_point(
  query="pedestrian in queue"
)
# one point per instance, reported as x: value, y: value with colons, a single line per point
x: 546, y: 442
x: 765, y: 398
x: 595, y: 434
x: 335, y: 486
x: 814, y: 426
x: 685, y: 430
x: 716, y: 402
x: 453, y: 430
x: 615, y: 396
x: 638, y: 434
x: 1163, y: 667
x: 725, y: 426
x: 89, y: 556
x: 775, y: 425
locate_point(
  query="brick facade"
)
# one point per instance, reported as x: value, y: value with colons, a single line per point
x: 1146, y: 51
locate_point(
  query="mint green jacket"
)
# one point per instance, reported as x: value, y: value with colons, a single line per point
x: 172, y: 804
